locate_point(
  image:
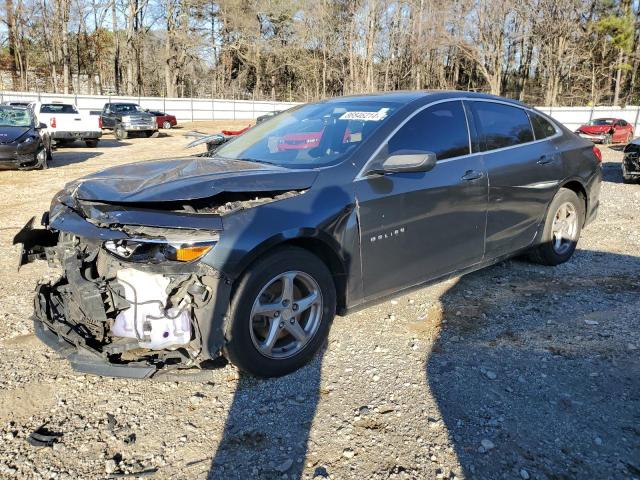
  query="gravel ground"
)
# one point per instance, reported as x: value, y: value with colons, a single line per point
x: 516, y: 371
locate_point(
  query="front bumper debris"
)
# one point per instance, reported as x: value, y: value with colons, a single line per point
x: 631, y: 160
x: 83, y: 360
x: 77, y: 315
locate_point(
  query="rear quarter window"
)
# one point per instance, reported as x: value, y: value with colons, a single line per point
x: 542, y: 128
x: 501, y: 125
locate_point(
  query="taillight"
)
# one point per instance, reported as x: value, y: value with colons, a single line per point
x: 597, y: 153
x: 52, y: 122
x: 100, y: 122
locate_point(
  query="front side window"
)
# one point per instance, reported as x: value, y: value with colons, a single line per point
x: 310, y: 136
x: 542, y: 128
x: 501, y: 125
x: 440, y: 128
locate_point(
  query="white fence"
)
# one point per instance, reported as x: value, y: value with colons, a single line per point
x: 573, y: 117
x: 218, y: 109
x: 186, y: 109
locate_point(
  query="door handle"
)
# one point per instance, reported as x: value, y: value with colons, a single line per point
x: 472, y: 175
x: 544, y: 160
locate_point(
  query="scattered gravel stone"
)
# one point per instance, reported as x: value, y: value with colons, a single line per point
x: 524, y: 474
x: 487, y: 444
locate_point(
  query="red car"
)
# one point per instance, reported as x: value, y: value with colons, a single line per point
x: 164, y: 120
x: 607, y: 130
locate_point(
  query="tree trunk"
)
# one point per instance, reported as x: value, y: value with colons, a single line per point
x: 11, y: 39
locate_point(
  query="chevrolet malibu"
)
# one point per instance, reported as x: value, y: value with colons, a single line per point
x: 250, y: 252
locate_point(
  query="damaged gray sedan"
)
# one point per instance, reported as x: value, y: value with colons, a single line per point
x: 249, y: 253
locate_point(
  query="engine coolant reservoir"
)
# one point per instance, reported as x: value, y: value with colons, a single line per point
x: 146, y: 318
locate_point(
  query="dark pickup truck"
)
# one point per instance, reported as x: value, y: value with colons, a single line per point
x: 124, y: 118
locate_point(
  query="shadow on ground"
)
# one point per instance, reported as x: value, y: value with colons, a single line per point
x: 103, y: 143
x: 612, y: 172
x: 62, y: 159
x: 533, y: 373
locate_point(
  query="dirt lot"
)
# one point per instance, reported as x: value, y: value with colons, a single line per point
x: 517, y: 371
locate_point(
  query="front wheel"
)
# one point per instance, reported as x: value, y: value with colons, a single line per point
x: 120, y: 133
x: 562, y: 228
x: 280, y: 313
x: 166, y: 124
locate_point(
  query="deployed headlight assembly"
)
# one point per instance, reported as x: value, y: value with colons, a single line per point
x: 157, y: 250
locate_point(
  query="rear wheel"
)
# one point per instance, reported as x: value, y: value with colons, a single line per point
x: 280, y: 313
x: 562, y: 228
x: 91, y: 143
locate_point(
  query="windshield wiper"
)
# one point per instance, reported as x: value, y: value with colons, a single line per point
x: 254, y: 160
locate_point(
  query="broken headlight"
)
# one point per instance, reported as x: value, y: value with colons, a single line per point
x: 157, y: 251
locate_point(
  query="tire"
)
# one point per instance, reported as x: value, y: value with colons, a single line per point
x: 42, y: 158
x: 91, y: 143
x: 120, y: 133
x: 263, y: 285
x: 550, y: 251
x: 166, y: 125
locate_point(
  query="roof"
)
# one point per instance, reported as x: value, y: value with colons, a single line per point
x: 408, y: 96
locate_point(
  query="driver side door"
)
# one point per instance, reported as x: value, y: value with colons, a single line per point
x: 418, y: 226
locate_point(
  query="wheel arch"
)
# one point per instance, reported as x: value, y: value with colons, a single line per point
x: 315, y: 242
x: 579, y: 189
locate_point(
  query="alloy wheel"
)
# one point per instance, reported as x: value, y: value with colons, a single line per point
x: 286, y: 315
x: 564, y: 228
x: 166, y: 125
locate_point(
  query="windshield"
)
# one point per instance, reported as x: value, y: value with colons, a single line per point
x: 601, y: 121
x: 14, y: 117
x: 126, y: 107
x: 310, y: 136
x: 58, y: 108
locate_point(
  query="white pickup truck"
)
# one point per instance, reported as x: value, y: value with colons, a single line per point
x: 65, y: 123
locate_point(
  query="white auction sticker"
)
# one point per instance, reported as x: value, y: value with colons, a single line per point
x: 366, y: 116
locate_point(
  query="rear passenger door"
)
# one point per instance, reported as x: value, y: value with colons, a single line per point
x: 524, y: 171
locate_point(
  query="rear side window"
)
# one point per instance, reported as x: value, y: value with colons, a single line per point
x: 501, y: 125
x: 57, y: 108
x: 441, y: 129
x: 542, y: 128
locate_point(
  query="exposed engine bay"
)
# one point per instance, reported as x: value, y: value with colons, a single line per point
x: 133, y: 298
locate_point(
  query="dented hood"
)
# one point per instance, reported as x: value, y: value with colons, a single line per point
x: 189, y: 178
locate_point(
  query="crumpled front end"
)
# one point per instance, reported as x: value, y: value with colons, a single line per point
x: 126, y: 304
x: 631, y: 160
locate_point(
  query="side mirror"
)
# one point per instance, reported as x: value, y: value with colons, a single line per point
x: 41, y: 126
x: 404, y: 161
